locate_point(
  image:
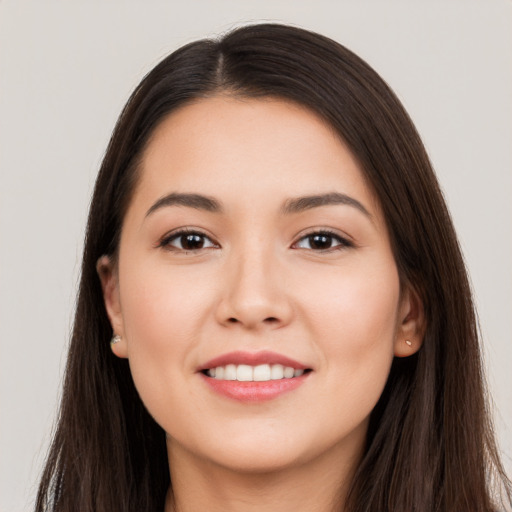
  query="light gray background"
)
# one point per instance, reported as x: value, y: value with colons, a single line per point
x: 66, y: 69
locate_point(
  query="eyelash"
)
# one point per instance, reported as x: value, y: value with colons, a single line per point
x: 165, y: 242
x: 343, y: 243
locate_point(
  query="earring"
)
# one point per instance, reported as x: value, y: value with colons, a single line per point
x: 115, y: 339
x: 408, y: 342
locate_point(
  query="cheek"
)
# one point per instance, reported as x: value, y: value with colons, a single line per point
x: 354, y: 321
x: 163, y: 315
x: 356, y: 305
x: 161, y: 303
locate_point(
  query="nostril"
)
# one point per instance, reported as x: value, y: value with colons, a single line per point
x: 269, y: 320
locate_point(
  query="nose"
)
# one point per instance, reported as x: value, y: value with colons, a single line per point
x: 253, y: 294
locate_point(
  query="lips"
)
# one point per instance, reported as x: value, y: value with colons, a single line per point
x: 252, y: 359
x: 253, y: 377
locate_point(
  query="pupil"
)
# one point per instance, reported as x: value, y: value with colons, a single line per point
x: 320, y: 241
x: 192, y: 242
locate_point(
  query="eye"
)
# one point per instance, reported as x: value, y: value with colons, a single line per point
x: 322, y: 241
x: 187, y: 241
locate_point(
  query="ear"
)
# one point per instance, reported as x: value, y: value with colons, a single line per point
x: 110, y: 286
x: 411, y: 323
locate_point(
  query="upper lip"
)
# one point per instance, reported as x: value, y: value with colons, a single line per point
x: 252, y: 359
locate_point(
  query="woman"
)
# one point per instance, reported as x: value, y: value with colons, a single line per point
x: 290, y: 321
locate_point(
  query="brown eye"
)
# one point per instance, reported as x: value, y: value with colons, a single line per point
x: 322, y: 241
x: 187, y: 241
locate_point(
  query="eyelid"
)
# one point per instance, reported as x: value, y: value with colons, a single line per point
x: 164, y: 241
x: 344, y: 240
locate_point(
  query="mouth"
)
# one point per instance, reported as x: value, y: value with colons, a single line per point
x: 259, y: 373
x: 253, y: 377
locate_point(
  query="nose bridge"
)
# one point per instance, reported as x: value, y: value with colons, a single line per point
x: 254, y: 294
x: 254, y: 274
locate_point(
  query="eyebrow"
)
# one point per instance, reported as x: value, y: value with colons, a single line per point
x: 291, y: 206
x: 300, y: 204
x: 197, y: 201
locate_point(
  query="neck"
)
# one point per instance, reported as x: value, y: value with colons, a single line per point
x: 320, y: 484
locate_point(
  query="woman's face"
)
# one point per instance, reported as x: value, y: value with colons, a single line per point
x: 252, y: 250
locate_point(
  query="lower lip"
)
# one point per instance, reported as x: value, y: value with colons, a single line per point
x: 254, y: 391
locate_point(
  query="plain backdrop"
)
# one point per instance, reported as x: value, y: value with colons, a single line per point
x: 66, y: 69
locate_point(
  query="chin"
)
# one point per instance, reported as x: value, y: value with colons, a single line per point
x: 259, y: 461
x: 262, y: 451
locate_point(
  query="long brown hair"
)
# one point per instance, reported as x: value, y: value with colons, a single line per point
x: 430, y: 445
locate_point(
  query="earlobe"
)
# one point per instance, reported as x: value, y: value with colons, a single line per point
x: 110, y: 287
x: 411, y: 324
x: 118, y: 346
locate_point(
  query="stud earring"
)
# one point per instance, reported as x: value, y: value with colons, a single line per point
x: 408, y: 342
x: 115, y: 339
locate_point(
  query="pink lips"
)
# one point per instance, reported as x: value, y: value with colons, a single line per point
x: 252, y: 359
x: 253, y: 391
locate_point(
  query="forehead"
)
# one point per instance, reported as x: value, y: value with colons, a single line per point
x: 248, y: 149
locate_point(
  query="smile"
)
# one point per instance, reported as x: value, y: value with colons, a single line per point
x: 253, y: 377
x: 260, y: 373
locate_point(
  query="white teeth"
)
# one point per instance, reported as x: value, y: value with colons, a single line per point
x: 262, y: 372
x: 288, y: 372
x: 247, y: 373
x: 244, y: 373
x: 230, y: 372
x: 277, y: 372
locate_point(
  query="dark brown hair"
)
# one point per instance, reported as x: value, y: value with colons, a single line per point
x: 430, y: 445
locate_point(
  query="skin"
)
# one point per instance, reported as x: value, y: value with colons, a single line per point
x: 257, y: 284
